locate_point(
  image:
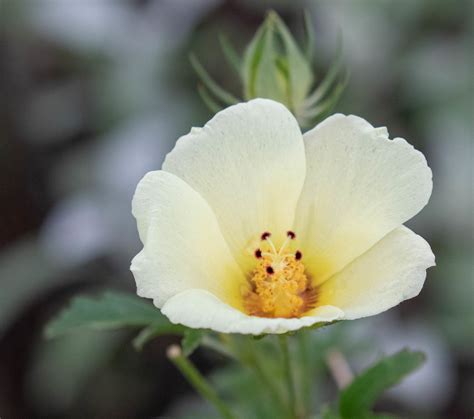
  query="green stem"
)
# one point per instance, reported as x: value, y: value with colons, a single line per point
x: 288, y: 374
x: 250, y: 357
x: 306, y: 369
x: 197, y: 380
x: 256, y: 364
x: 214, y: 344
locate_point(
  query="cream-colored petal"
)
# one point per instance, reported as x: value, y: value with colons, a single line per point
x: 183, y: 245
x: 359, y: 186
x: 248, y: 162
x: 201, y: 309
x: 392, y: 271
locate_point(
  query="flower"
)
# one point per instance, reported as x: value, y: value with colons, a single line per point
x: 252, y: 227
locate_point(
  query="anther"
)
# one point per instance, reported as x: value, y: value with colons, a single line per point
x: 258, y: 253
x: 270, y: 270
x: 291, y: 235
x: 298, y: 255
x: 265, y: 235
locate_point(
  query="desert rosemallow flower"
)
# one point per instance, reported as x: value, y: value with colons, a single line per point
x: 252, y: 227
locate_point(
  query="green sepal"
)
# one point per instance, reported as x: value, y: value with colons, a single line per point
x: 310, y: 40
x: 322, y: 109
x: 231, y: 54
x: 261, y: 74
x: 329, y: 79
x: 300, y: 75
x: 221, y: 94
x: 274, y: 66
x: 208, y: 100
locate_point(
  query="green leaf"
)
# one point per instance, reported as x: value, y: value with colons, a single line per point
x: 213, y: 87
x: 358, y: 398
x: 191, y: 340
x: 112, y: 310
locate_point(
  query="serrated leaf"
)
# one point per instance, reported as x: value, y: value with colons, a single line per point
x: 191, y: 340
x: 358, y: 398
x: 112, y: 310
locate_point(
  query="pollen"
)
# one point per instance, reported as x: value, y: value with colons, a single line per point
x: 279, y: 285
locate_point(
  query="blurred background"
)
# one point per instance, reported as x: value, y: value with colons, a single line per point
x: 94, y: 93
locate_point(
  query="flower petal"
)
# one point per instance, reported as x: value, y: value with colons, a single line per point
x: 359, y: 186
x: 202, y: 309
x: 248, y: 162
x: 392, y: 271
x: 183, y: 245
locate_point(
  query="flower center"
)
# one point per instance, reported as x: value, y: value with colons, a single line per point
x: 279, y: 285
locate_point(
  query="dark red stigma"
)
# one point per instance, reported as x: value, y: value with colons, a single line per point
x: 270, y: 270
x: 265, y: 235
x: 258, y: 253
x: 298, y: 255
x: 291, y: 234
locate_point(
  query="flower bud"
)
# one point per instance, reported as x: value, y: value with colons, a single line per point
x: 273, y: 66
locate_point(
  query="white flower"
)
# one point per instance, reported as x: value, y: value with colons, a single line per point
x: 252, y: 227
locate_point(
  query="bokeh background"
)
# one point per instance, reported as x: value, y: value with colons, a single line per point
x: 94, y: 93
